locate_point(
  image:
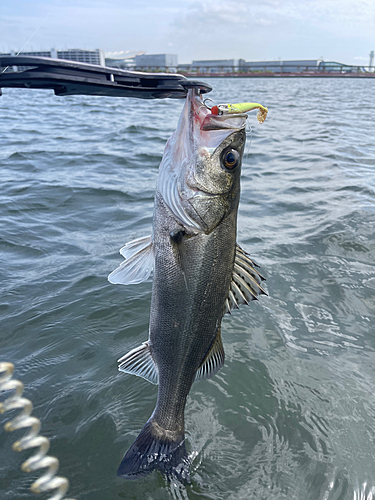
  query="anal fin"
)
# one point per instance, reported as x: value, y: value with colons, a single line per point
x: 213, y: 361
x: 139, y: 362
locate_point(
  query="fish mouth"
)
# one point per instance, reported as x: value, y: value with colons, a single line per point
x: 224, y: 122
x: 204, y: 120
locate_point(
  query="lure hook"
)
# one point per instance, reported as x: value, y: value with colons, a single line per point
x: 204, y: 105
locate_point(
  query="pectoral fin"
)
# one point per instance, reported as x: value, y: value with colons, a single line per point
x: 138, y: 264
x: 245, y: 285
x: 213, y: 361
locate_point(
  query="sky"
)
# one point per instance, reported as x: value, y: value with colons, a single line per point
x: 254, y: 30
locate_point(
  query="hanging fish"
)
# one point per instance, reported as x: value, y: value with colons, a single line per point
x: 200, y: 273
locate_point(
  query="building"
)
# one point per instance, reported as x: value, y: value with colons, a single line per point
x: 211, y: 66
x: 79, y: 55
x: 297, y: 66
x: 85, y: 56
x: 156, y: 62
x: 122, y: 60
x: 123, y: 63
x: 294, y: 66
x: 335, y: 67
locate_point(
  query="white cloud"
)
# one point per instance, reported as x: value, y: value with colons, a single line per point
x: 272, y: 28
x: 252, y: 29
x: 331, y: 13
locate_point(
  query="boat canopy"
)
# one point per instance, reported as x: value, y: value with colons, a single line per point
x: 72, y: 78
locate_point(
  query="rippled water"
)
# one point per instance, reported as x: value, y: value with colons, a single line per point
x: 292, y: 413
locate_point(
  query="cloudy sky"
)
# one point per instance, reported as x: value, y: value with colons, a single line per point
x: 338, y: 30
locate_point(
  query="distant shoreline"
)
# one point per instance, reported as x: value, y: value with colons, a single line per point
x: 277, y: 75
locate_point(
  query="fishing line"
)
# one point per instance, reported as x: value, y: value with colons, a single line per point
x: 249, y: 136
x: 35, y: 32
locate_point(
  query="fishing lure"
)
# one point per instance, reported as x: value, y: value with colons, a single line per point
x: 242, y: 107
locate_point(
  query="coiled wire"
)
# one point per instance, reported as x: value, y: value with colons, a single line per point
x: 40, y: 460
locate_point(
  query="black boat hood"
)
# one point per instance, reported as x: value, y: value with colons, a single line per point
x: 70, y: 78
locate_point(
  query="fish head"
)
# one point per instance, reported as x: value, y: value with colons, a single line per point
x: 199, y: 177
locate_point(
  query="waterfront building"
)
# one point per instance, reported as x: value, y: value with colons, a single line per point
x: 294, y: 66
x: 79, y: 55
x: 122, y: 60
x: 85, y: 56
x: 297, y: 66
x: 125, y: 63
x: 211, y: 66
x: 156, y: 62
x: 336, y: 67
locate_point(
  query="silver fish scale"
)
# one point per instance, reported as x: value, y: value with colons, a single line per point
x: 190, y: 287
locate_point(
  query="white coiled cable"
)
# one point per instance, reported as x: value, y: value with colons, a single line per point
x: 40, y: 460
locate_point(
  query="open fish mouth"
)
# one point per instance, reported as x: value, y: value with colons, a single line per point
x: 224, y: 116
x: 224, y: 122
x: 210, y: 128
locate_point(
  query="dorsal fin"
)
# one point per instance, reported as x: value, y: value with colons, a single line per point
x: 245, y: 285
x: 213, y: 361
x: 138, y: 264
x: 139, y: 362
x: 244, y: 257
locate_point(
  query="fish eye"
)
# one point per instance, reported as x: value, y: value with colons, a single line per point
x: 230, y: 159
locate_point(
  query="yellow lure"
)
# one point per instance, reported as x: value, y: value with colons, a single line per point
x: 242, y: 107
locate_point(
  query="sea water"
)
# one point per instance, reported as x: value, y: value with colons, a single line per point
x: 292, y: 413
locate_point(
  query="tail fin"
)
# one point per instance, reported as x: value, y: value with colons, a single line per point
x: 156, y: 448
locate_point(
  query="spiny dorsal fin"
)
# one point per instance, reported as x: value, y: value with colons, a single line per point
x: 213, y: 361
x: 138, y: 264
x: 244, y: 256
x: 245, y: 285
x: 139, y: 362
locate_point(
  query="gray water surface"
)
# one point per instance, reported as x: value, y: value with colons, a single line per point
x: 292, y: 413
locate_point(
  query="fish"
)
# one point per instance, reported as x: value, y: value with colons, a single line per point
x: 200, y: 273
